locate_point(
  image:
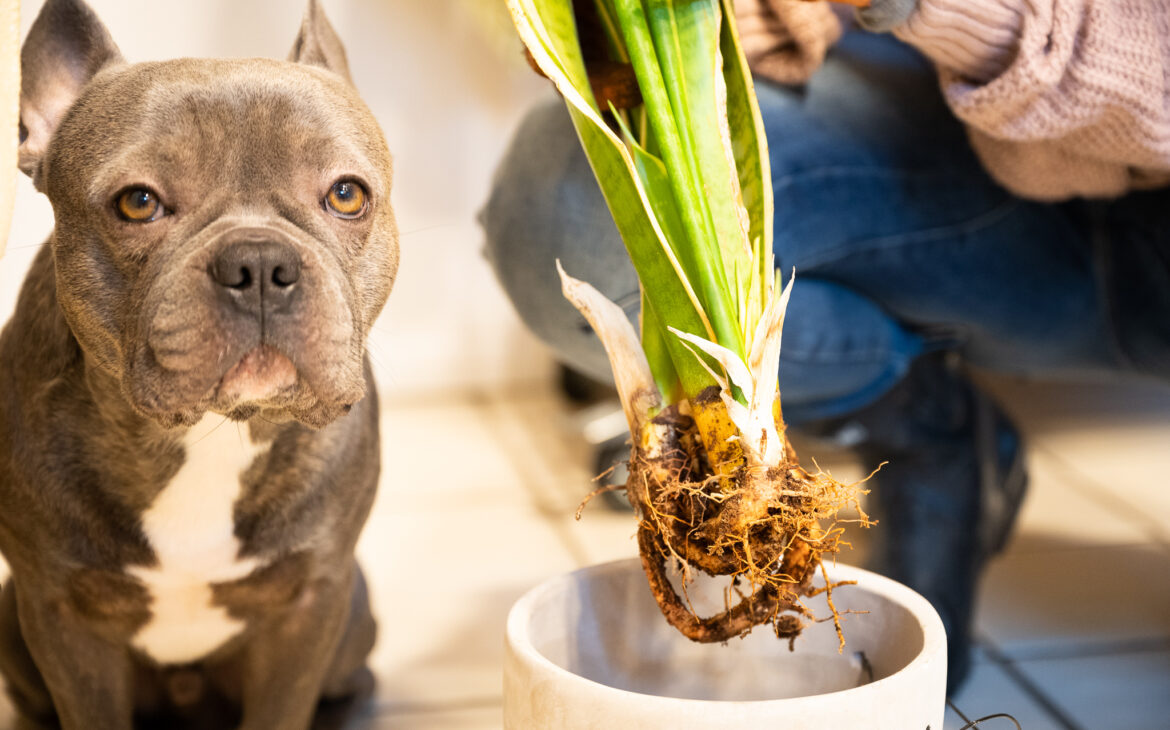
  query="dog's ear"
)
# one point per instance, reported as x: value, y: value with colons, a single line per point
x: 66, y: 46
x: 318, y: 45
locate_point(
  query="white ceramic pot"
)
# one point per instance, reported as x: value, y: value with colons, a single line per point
x: 590, y: 649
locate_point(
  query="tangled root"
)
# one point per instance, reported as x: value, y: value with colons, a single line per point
x: 765, y: 527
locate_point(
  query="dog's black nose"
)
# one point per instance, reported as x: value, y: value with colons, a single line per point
x: 258, y: 273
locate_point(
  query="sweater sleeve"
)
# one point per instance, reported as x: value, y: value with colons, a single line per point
x: 1063, y: 97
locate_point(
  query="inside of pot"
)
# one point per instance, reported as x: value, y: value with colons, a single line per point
x: 605, y: 626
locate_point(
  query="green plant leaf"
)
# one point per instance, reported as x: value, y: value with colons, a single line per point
x: 548, y: 29
x: 689, y: 187
x: 699, y: 253
x: 658, y: 353
x: 749, y: 142
x: 687, y: 40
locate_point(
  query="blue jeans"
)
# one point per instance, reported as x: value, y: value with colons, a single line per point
x: 901, y: 243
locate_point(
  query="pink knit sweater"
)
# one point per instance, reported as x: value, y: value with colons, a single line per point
x: 1061, y: 98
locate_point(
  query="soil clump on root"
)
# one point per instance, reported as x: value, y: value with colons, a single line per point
x: 766, y: 527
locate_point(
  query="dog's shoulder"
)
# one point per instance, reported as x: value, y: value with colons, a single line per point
x: 36, y: 346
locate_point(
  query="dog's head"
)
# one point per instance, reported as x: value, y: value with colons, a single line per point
x: 224, y: 237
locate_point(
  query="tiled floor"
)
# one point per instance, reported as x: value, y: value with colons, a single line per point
x: 1075, y: 617
x: 1074, y: 622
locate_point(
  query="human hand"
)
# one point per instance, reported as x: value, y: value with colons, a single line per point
x: 879, y: 16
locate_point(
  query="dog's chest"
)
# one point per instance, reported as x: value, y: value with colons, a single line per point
x: 190, y: 527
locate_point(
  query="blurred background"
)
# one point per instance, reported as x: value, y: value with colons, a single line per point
x: 1074, y: 622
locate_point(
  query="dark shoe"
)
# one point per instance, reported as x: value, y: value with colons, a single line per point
x: 580, y: 389
x: 948, y: 495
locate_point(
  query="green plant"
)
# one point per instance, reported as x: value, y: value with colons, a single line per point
x: 684, y: 169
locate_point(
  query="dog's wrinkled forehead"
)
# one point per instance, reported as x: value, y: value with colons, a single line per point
x: 191, y: 124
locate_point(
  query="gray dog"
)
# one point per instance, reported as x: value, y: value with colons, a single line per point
x: 188, y: 426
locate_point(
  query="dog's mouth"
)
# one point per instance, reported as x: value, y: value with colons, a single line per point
x: 262, y: 374
x: 263, y: 379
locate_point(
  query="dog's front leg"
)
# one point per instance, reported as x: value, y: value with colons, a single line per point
x: 89, y: 678
x: 289, y: 654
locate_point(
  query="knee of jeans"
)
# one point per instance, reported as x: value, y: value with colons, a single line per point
x: 840, y: 351
x: 544, y: 206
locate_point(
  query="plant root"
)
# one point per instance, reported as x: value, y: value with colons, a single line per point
x: 766, y: 527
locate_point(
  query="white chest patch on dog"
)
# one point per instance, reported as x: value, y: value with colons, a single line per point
x: 191, y: 529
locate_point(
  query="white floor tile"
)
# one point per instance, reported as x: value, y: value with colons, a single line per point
x: 478, y: 718
x: 1060, y: 511
x: 1050, y: 410
x: 453, y: 540
x: 989, y: 691
x: 1128, y: 468
x: 442, y: 455
x: 543, y: 436
x: 442, y: 583
x: 1118, y: 691
x: 1033, y: 603
x: 602, y: 534
x: 1113, y: 435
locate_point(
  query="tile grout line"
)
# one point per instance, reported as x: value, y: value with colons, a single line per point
x: 571, y: 542
x: 558, y: 520
x: 487, y: 409
x: 431, y: 708
x: 1031, y: 551
x: 484, y: 409
x: 1027, y: 686
x: 1086, y: 650
x: 1119, y: 505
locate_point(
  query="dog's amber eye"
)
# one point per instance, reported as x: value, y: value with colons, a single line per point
x: 139, y: 205
x: 346, y: 199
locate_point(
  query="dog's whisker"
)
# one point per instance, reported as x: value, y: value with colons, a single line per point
x: 28, y: 246
x: 426, y: 229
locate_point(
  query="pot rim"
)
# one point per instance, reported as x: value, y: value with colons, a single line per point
x: 933, y: 633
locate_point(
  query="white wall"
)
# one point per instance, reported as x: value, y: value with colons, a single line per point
x: 448, y: 83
